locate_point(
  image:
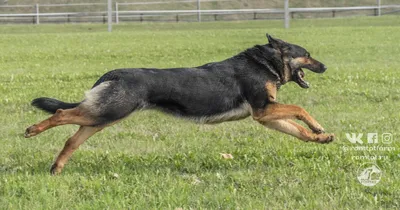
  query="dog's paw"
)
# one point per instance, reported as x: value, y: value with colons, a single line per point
x: 31, y: 131
x: 317, y: 129
x: 325, y: 138
x: 55, y: 169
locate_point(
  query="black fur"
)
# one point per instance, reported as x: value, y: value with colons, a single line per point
x: 198, y: 93
x: 51, y: 105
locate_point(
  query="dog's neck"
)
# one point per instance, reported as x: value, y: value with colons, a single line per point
x: 286, y: 74
x: 271, y: 60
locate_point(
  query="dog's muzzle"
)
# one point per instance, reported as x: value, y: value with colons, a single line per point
x: 298, y: 74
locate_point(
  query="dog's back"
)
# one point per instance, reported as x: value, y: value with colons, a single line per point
x: 196, y: 93
x: 204, y: 94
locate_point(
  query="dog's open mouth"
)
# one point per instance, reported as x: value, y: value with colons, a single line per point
x: 298, y: 77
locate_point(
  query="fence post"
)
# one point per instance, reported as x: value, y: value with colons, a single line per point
x: 116, y: 13
x: 379, y: 7
x: 198, y: 11
x: 37, y: 13
x: 109, y: 15
x: 287, y: 15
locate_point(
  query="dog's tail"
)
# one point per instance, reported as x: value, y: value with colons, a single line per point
x: 51, y: 105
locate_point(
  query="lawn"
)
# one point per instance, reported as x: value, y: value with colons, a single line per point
x: 154, y: 161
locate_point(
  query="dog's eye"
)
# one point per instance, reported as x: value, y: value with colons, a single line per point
x: 307, y: 55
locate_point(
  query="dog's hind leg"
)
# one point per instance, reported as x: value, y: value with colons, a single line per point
x: 61, y: 117
x: 71, y: 145
x: 104, y: 104
x: 292, y: 128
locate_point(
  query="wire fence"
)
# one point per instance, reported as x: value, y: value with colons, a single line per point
x: 189, y: 10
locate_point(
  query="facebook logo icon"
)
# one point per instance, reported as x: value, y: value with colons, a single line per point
x: 372, y: 138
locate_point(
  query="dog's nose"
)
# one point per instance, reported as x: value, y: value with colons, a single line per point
x: 324, y: 68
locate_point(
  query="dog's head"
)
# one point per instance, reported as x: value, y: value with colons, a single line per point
x: 294, y: 59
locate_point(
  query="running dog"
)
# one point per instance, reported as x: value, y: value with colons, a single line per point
x: 241, y: 86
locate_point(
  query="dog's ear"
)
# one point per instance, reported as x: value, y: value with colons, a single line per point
x: 276, y: 43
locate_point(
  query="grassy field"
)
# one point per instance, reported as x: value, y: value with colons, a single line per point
x: 154, y: 161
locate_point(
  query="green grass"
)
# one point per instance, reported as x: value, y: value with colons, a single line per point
x: 167, y: 163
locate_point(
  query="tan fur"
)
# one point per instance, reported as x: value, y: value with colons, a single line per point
x: 71, y: 145
x: 61, y: 117
x: 271, y: 89
x: 292, y: 128
x: 278, y: 111
x: 301, y: 61
x: 283, y: 126
x: 241, y: 112
x: 287, y: 73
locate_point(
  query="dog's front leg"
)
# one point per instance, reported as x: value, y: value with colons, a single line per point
x: 276, y: 111
x: 292, y: 128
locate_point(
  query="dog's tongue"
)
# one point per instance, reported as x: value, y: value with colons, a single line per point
x: 299, y: 75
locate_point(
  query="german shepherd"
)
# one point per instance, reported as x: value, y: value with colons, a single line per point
x: 243, y: 85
